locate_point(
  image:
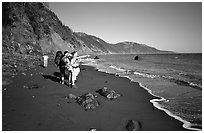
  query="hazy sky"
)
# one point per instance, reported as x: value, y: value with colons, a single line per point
x: 166, y: 26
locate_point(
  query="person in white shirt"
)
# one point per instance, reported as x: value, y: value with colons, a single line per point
x: 75, y: 61
x: 45, y: 60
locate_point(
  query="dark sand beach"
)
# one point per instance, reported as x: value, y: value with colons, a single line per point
x: 35, y: 101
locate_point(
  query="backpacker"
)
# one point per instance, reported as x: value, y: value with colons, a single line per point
x: 58, y: 57
x: 66, y: 61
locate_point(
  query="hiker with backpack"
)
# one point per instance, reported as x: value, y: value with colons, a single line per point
x: 58, y: 57
x: 70, y: 63
x: 61, y: 63
x: 66, y: 66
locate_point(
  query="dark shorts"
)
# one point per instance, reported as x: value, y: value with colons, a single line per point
x: 62, y: 71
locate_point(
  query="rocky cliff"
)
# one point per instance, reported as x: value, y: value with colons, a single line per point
x: 32, y: 28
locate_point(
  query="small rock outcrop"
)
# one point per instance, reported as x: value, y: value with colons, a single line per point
x: 108, y: 93
x: 88, y: 101
x: 133, y: 125
x: 92, y: 129
x: 70, y: 96
x: 136, y: 57
x: 96, y: 57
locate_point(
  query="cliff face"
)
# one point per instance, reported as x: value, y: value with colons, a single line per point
x: 32, y: 28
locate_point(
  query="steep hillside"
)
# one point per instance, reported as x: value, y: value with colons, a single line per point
x: 32, y: 28
x: 132, y: 47
x: 96, y: 44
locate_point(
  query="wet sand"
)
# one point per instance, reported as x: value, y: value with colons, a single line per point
x: 35, y: 101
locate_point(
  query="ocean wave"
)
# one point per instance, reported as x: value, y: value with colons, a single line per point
x: 147, y: 75
x: 183, y: 82
x: 117, y: 68
x: 153, y: 76
x: 87, y: 60
x: 172, y: 79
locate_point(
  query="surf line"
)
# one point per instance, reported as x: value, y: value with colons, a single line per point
x: 186, y: 124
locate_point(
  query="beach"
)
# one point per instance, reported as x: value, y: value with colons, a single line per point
x: 35, y: 101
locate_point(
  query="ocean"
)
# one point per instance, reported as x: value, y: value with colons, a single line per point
x: 175, y: 79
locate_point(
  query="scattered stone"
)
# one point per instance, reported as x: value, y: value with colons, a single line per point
x: 88, y: 101
x: 70, y: 96
x: 4, y: 89
x: 136, y: 57
x: 133, y: 125
x: 108, y: 93
x: 92, y: 129
x: 117, y: 75
x: 35, y: 86
x: 96, y: 57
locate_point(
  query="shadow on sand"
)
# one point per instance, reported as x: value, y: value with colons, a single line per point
x: 41, y: 66
x: 57, y: 74
x: 51, y: 77
x: 55, y: 77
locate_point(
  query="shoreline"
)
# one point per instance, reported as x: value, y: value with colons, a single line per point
x: 186, y: 124
x: 44, y: 108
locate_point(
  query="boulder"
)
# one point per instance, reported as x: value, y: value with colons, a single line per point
x: 133, y: 125
x: 108, y: 93
x: 96, y: 57
x: 88, y: 101
x: 136, y: 57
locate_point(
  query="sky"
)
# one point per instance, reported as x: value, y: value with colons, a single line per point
x: 172, y: 26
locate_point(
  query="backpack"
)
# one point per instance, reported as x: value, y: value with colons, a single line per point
x: 58, y: 57
x: 66, y: 62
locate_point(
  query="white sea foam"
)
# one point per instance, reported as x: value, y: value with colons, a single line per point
x: 117, y: 68
x: 192, y: 84
x: 155, y: 103
x: 146, y: 75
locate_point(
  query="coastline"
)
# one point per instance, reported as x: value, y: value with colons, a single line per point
x: 46, y: 109
x: 187, y: 125
x: 154, y: 86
